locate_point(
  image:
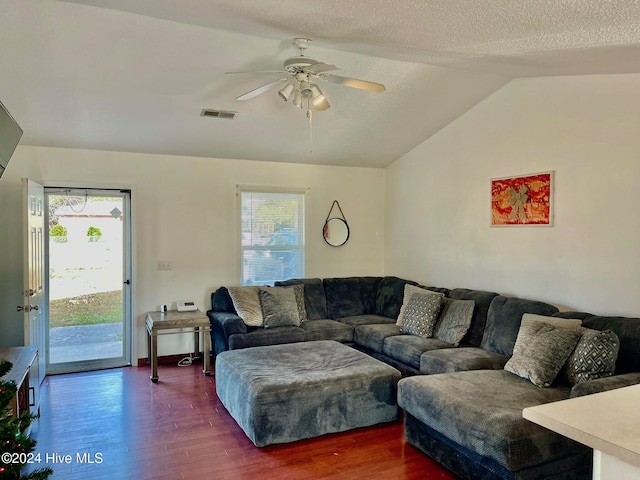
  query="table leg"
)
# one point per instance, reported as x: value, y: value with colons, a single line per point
x: 196, y: 342
x: 153, y: 341
x: 207, y: 351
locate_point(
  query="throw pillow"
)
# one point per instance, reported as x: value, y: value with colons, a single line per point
x: 299, y: 292
x: 247, y: 304
x: 418, y: 315
x: 454, y: 321
x: 540, y: 351
x: 410, y: 290
x: 279, y: 307
x: 555, y: 321
x: 594, y: 357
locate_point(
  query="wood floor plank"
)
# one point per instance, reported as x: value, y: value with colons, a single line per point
x: 177, y: 429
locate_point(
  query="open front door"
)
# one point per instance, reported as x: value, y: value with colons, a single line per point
x: 34, y: 292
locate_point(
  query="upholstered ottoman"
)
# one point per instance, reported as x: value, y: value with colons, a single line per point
x: 284, y: 393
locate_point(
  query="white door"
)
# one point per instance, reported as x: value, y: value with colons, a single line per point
x: 34, y: 292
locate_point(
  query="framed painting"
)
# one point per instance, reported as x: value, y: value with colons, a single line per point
x: 522, y: 200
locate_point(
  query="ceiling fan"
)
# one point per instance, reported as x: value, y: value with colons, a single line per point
x: 300, y: 83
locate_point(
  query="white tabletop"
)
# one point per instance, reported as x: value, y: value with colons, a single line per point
x: 607, y: 421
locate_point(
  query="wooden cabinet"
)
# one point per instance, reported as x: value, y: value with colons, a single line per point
x: 24, y: 373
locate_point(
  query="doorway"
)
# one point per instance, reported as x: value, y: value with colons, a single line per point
x: 89, y: 279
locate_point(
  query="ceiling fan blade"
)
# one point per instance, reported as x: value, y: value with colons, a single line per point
x: 260, y: 71
x: 320, y: 68
x: 257, y: 91
x: 354, y: 83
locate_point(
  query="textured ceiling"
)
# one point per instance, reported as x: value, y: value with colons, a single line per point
x: 134, y: 75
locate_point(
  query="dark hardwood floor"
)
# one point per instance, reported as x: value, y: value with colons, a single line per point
x: 131, y: 428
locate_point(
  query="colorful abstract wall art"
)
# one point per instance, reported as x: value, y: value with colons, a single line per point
x: 523, y: 200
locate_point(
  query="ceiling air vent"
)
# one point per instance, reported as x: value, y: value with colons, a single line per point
x: 218, y: 114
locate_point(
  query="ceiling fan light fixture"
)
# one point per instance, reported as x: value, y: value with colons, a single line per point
x: 297, y: 99
x: 318, y: 100
x: 286, y: 92
x: 305, y: 89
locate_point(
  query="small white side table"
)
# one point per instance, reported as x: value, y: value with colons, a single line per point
x: 174, y: 320
x: 608, y: 422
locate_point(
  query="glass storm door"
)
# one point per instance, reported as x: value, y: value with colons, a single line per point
x: 89, y: 307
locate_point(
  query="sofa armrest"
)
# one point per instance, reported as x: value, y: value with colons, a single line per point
x: 604, y: 384
x: 223, y: 325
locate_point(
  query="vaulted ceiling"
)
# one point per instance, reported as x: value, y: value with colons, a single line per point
x: 134, y: 75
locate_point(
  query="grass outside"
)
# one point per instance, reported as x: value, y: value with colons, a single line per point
x: 91, y: 309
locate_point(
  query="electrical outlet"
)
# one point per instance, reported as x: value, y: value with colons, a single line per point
x: 164, y: 264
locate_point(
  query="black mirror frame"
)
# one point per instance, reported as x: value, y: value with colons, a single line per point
x: 326, y: 223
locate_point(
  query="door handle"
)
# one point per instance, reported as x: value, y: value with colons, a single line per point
x: 27, y: 308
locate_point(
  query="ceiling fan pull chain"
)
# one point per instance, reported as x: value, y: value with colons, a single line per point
x: 310, y: 117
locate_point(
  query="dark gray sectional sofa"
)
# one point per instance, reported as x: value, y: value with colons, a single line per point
x: 334, y: 307
x: 460, y: 406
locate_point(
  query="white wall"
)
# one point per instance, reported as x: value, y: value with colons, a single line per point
x: 586, y: 129
x: 184, y: 210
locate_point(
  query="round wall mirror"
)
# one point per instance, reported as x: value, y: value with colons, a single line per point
x: 336, y: 231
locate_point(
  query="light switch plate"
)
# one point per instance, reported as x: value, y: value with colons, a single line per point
x: 164, y: 265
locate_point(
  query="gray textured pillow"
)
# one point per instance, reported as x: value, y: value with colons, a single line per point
x: 555, y: 321
x: 279, y: 307
x: 410, y: 290
x: 418, y: 315
x: 299, y: 292
x: 540, y: 351
x: 594, y: 357
x: 454, y: 321
x: 247, y: 304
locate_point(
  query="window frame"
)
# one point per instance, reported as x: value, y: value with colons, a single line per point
x: 302, y: 211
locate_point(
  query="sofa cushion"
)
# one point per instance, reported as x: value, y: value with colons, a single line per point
x: 270, y: 336
x: 442, y: 290
x: 372, y: 336
x: 455, y: 320
x: 628, y: 331
x: 279, y: 307
x: 541, y: 350
x: 247, y: 303
x: 605, y: 384
x: 327, y: 330
x: 594, y: 357
x: 221, y: 301
x: 419, y: 311
x: 576, y: 315
x: 408, y: 348
x: 366, y: 320
x: 481, y: 410
x: 389, y: 296
x: 482, y: 301
x: 350, y: 296
x: 314, y: 297
x: 460, y: 360
x: 503, y: 322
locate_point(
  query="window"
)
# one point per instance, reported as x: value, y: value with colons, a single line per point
x: 272, y: 234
